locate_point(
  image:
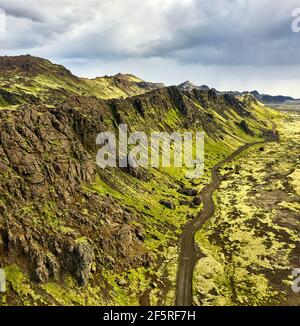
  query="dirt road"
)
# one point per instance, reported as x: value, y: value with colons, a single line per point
x: 188, y: 256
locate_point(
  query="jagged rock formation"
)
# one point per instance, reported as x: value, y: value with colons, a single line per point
x: 56, y: 217
x: 264, y: 98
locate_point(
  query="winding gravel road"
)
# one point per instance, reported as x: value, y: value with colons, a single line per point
x: 188, y: 255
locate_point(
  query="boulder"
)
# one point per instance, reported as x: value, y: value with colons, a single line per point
x: 167, y: 204
x: 188, y: 192
x: 197, y: 201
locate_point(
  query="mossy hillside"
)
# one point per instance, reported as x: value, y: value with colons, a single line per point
x: 157, y: 218
x: 27, y: 79
x: 87, y: 206
x: 21, y: 291
x: 119, y: 86
x: 162, y: 227
x: 295, y: 180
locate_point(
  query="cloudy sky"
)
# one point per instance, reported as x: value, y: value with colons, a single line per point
x: 227, y: 44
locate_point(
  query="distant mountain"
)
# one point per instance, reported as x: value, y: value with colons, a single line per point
x: 269, y: 99
x: 188, y: 86
x: 264, y: 98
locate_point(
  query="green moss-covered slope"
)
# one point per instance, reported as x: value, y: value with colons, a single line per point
x: 71, y: 233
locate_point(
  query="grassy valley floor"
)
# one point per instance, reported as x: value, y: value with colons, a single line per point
x: 251, y: 245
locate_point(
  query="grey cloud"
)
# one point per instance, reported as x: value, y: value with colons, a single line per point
x: 263, y: 39
x: 216, y: 32
x: 21, y: 10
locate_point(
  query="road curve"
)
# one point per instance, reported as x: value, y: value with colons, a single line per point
x: 188, y: 257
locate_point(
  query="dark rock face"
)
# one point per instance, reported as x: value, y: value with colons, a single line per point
x: 81, y: 262
x: 46, y: 155
x: 167, y: 204
x: 138, y: 173
x: 197, y: 201
x: 188, y: 192
x: 10, y: 97
x: 32, y: 65
x: 244, y: 126
x: 47, y: 268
